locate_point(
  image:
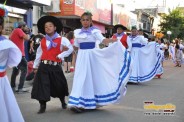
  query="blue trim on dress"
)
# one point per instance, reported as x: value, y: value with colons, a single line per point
x: 95, y: 100
x: 2, y: 67
x: 82, y: 103
x: 86, y: 103
x: 153, y: 72
x: 105, y: 98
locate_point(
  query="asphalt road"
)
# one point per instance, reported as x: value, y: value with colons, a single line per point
x: 168, y: 89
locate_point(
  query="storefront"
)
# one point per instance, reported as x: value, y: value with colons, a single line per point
x: 72, y: 10
x: 14, y: 15
x: 20, y: 10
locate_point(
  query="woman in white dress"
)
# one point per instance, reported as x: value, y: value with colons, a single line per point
x: 10, y: 56
x: 181, y: 47
x: 146, y: 58
x: 162, y: 50
x: 172, y: 50
x: 101, y: 75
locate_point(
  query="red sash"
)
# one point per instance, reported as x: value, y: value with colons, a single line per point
x: 2, y: 74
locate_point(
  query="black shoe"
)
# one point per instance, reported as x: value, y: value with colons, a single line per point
x: 76, y: 109
x: 64, y: 105
x: 13, y: 89
x: 23, y: 90
x: 42, y: 109
x: 132, y: 83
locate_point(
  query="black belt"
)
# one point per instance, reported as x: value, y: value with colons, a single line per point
x: 50, y: 62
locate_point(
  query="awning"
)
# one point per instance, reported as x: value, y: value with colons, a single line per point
x: 25, y: 4
x: 34, y: 2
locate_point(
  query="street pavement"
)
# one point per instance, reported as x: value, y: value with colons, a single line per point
x: 168, y: 89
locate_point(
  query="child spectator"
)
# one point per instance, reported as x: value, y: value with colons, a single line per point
x: 178, y: 56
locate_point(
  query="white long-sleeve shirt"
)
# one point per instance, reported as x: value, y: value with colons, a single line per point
x: 64, y: 42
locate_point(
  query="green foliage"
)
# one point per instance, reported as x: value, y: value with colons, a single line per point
x: 173, y: 22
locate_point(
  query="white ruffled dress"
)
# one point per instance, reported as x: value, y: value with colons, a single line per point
x: 146, y: 58
x: 10, y: 56
x: 101, y: 75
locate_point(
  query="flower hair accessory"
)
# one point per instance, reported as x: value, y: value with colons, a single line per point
x: 3, y: 11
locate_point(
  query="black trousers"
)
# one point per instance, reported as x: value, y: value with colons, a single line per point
x: 23, y: 68
x: 49, y: 82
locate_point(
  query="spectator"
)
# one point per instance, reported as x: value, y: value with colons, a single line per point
x: 178, y: 56
x: 68, y: 60
x: 166, y: 52
x: 30, y: 74
x: 18, y: 36
x: 35, y: 42
x: 30, y: 53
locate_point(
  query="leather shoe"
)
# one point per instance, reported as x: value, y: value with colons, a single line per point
x: 42, y: 109
x: 76, y: 109
x: 64, y: 105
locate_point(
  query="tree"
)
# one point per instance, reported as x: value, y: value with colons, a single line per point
x: 173, y: 22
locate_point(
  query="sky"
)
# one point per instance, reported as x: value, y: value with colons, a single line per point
x: 132, y: 4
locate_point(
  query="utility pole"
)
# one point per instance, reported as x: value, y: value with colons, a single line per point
x: 164, y: 3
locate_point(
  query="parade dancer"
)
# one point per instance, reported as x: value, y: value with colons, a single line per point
x: 146, y: 58
x: 121, y: 36
x: 162, y: 49
x: 18, y: 37
x: 101, y: 75
x: 50, y: 80
x: 141, y: 34
x: 10, y: 56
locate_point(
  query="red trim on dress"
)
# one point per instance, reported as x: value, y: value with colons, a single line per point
x: 2, y: 74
